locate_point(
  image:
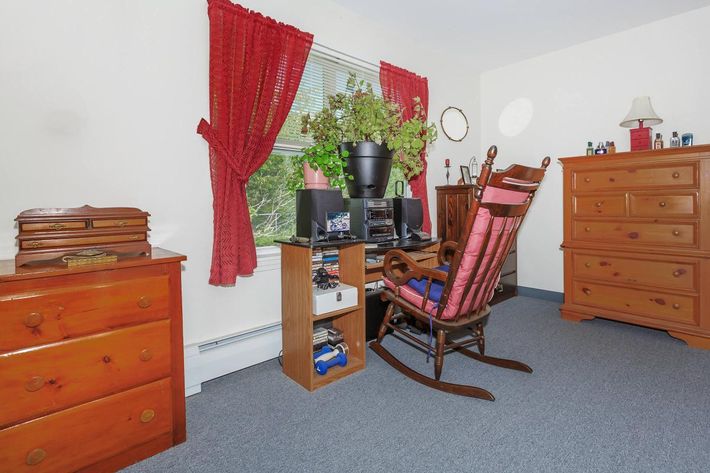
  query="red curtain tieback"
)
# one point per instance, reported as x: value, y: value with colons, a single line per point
x: 222, y: 152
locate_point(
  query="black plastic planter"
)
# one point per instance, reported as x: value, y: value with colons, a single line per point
x: 370, y: 165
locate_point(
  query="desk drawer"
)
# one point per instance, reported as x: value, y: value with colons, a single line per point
x: 652, y: 304
x: 636, y: 270
x: 682, y: 234
x: 85, y: 434
x: 678, y: 175
x: 49, y: 378
x: 35, y: 317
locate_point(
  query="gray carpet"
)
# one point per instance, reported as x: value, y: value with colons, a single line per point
x: 604, y: 397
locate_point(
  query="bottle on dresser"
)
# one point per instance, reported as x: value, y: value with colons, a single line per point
x: 658, y: 142
x: 601, y: 149
x: 675, y: 140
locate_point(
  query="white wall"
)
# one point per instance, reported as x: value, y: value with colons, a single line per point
x: 581, y: 94
x: 99, y: 102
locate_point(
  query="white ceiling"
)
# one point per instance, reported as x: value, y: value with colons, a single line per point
x: 493, y: 33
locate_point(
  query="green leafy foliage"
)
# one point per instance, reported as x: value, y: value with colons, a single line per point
x: 364, y: 116
x: 272, y: 206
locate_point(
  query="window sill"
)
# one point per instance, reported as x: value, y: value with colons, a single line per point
x: 268, y: 258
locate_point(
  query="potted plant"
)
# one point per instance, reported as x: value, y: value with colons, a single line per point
x: 356, y: 136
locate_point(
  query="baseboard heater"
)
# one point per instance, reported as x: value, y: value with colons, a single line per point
x: 238, y: 337
x: 218, y: 357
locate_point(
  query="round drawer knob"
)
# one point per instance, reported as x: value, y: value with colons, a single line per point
x: 147, y: 415
x: 676, y: 232
x: 35, y: 383
x: 587, y: 264
x: 676, y: 306
x: 678, y: 273
x: 598, y: 204
x: 676, y: 175
x: 587, y: 179
x: 587, y: 229
x: 33, y: 319
x: 587, y: 291
x: 661, y: 204
x: 144, y: 302
x: 35, y: 456
x: 146, y: 354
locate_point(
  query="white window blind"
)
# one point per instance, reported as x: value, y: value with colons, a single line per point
x: 324, y: 75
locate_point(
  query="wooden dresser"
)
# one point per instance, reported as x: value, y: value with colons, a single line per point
x: 637, y: 240
x: 452, y: 204
x: 91, y: 364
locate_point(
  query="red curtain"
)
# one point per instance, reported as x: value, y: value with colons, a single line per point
x: 401, y: 87
x: 256, y: 66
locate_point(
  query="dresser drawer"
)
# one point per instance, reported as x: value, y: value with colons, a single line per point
x: 667, y: 234
x: 600, y: 205
x: 652, y: 304
x: 633, y: 177
x: 664, y: 205
x: 119, y: 223
x: 54, y: 226
x: 636, y: 270
x: 49, y: 378
x: 78, y: 241
x: 48, y: 314
x: 85, y: 434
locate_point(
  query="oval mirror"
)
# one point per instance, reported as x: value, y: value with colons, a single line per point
x: 454, y: 123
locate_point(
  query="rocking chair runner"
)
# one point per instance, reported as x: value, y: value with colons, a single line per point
x: 454, y: 296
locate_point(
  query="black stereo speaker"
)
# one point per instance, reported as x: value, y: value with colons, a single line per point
x: 312, y: 207
x: 408, y: 216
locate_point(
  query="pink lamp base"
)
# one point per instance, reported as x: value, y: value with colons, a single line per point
x: 640, y: 139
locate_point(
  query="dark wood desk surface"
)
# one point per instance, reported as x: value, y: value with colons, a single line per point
x: 423, y: 252
x: 401, y: 245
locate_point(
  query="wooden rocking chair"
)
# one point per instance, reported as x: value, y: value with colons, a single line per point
x: 453, y: 298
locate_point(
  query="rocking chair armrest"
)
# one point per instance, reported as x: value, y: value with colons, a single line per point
x: 446, y: 251
x: 412, y: 269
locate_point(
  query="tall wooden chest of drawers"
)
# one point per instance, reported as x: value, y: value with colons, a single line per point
x: 637, y: 240
x: 91, y: 364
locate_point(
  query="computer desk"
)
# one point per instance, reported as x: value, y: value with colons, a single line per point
x: 423, y: 252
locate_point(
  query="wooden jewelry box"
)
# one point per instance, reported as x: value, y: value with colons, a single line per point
x: 49, y: 233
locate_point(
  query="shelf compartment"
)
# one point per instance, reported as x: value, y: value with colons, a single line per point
x: 337, y: 372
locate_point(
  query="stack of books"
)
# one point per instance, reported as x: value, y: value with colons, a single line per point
x: 325, y: 258
x: 316, y: 262
x: 320, y: 338
x: 330, y: 261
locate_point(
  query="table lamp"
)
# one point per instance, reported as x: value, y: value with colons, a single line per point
x: 642, y: 113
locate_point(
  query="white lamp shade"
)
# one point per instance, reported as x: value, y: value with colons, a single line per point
x: 641, y: 109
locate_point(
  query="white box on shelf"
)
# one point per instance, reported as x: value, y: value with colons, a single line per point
x: 337, y: 298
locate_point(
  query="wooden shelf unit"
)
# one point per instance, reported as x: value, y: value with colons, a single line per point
x: 298, y: 319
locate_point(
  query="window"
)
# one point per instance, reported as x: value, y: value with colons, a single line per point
x: 272, y: 207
